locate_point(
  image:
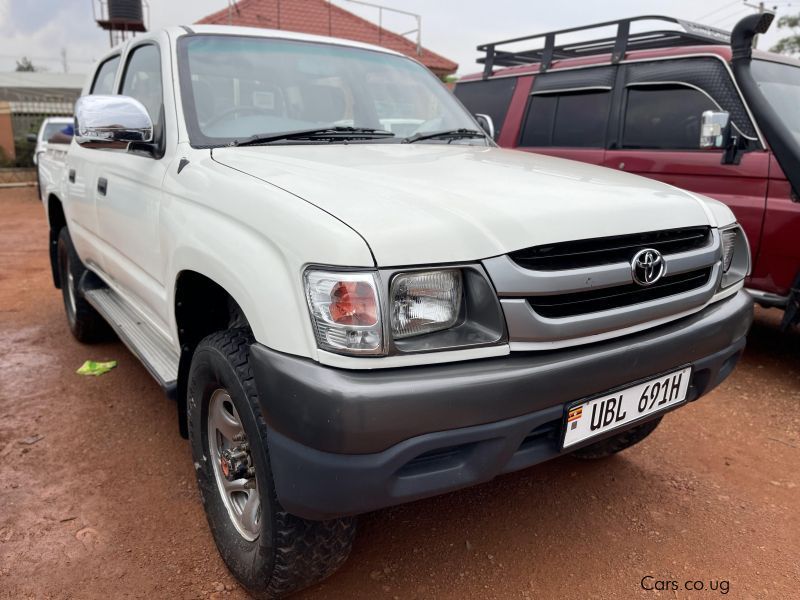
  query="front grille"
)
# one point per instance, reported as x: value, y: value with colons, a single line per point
x: 608, y: 250
x: 580, y: 303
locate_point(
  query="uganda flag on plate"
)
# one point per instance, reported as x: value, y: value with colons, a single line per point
x: 574, y: 415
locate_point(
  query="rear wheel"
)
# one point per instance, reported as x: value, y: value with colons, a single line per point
x: 271, y: 552
x: 84, y: 321
x: 619, y: 442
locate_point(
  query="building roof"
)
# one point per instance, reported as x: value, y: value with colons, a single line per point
x: 41, y: 79
x: 321, y: 17
x: 40, y: 91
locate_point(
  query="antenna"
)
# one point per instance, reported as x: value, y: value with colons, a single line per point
x: 380, y: 8
x: 231, y: 6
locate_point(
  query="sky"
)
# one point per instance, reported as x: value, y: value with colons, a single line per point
x: 42, y: 29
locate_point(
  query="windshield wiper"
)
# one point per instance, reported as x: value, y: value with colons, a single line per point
x: 330, y: 133
x: 452, y: 134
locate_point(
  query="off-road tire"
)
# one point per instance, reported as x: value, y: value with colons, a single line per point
x: 290, y: 553
x: 617, y: 443
x: 84, y: 321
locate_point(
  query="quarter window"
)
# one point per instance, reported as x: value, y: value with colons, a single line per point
x: 490, y: 97
x: 104, y: 80
x: 664, y: 117
x: 142, y: 80
x: 570, y: 120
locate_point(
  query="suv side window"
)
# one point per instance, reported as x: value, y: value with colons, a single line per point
x: 142, y: 80
x: 104, y: 79
x: 490, y: 96
x: 664, y: 117
x: 568, y: 120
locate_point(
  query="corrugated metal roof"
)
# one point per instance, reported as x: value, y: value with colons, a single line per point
x: 42, y: 79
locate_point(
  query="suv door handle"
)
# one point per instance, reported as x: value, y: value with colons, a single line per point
x: 102, y: 186
x: 72, y: 175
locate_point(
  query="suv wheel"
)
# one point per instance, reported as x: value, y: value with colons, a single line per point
x: 271, y: 552
x: 84, y: 321
x: 619, y: 442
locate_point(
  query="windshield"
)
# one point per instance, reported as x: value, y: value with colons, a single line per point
x: 237, y: 87
x: 780, y: 83
x: 51, y: 129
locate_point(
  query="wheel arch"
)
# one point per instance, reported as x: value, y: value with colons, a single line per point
x: 57, y: 220
x: 201, y: 307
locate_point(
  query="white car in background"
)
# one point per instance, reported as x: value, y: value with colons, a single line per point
x: 50, y: 127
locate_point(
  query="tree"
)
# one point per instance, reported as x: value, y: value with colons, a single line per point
x: 791, y: 44
x: 25, y: 64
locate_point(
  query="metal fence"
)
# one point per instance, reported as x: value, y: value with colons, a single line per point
x: 25, y: 101
x: 27, y: 117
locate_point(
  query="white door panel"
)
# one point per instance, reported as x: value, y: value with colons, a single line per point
x: 128, y: 214
x: 80, y: 208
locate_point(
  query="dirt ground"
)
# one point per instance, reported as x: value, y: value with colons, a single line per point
x: 98, y: 499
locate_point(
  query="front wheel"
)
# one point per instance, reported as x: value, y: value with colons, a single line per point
x: 271, y: 552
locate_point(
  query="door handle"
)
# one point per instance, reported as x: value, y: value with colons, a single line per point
x: 102, y: 186
x: 72, y: 175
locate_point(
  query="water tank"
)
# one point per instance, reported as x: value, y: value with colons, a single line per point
x: 125, y: 11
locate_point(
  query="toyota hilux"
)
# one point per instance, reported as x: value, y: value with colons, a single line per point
x: 356, y: 298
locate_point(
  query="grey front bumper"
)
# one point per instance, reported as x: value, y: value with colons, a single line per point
x: 344, y: 442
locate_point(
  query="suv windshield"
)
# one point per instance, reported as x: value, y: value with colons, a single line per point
x: 238, y: 87
x: 52, y: 129
x: 780, y: 83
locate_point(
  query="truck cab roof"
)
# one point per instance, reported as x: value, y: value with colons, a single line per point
x: 177, y: 31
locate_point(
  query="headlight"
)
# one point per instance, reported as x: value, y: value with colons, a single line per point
x: 345, y: 311
x: 357, y: 313
x: 728, y: 243
x: 735, y: 256
x: 425, y: 301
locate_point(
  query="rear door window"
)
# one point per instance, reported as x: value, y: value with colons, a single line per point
x: 106, y: 74
x: 489, y: 97
x: 664, y: 117
x: 568, y: 120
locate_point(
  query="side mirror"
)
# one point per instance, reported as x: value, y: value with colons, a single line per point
x: 486, y: 123
x: 110, y: 119
x: 716, y: 133
x: 31, y: 137
x: 715, y: 130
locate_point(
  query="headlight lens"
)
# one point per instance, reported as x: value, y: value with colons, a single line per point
x: 425, y: 301
x: 728, y: 244
x: 345, y: 311
x: 735, y: 256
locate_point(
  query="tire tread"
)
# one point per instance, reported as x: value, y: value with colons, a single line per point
x: 306, y: 552
x: 89, y: 325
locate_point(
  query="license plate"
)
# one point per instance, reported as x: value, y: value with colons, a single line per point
x: 597, y: 416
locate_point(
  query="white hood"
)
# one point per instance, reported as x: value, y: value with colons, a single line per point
x: 434, y: 203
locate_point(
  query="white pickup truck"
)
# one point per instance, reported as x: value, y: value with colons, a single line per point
x: 356, y: 298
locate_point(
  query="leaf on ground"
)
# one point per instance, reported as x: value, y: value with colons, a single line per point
x: 31, y: 439
x: 95, y: 368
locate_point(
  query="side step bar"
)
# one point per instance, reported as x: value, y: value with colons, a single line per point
x: 146, y: 343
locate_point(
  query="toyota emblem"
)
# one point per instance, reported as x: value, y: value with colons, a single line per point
x: 647, y: 266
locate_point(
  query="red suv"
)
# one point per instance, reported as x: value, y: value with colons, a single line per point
x: 689, y: 105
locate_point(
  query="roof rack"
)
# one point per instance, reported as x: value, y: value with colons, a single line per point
x: 691, y: 34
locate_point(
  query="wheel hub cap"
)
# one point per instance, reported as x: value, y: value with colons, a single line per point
x: 233, y: 466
